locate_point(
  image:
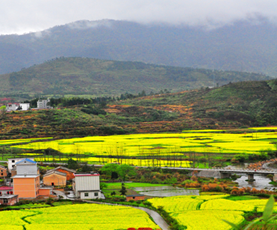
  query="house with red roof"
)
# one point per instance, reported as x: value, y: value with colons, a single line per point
x: 7, y: 197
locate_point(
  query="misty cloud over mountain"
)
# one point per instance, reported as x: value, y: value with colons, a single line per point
x: 22, y: 16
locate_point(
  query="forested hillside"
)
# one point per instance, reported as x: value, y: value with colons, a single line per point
x: 242, y: 46
x: 94, y: 77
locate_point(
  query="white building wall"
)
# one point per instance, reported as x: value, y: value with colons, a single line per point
x: 27, y: 169
x: 13, y: 161
x: 91, y: 195
x: 87, y: 183
x: 25, y: 106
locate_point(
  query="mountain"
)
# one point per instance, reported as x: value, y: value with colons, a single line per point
x: 242, y: 46
x: 95, y: 77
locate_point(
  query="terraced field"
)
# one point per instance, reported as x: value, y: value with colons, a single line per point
x: 207, y: 212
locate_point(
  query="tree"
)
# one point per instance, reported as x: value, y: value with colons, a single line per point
x: 72, y: 164
x: 125, y: 170
x: 123, y: 190
x: 110, y: 170
x: 3, y: 110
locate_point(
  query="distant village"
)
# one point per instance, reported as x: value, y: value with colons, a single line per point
x: 41, y: 104
x: 22, y: 180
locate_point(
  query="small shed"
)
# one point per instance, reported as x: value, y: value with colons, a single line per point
x: 45, y: 191
x: 135, y: 197
x: 8, y: 199
x: 54, y: 178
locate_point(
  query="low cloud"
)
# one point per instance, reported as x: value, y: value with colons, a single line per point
x: 23, y: 16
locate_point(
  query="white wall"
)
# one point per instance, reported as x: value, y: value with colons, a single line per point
x: 25, y: 106
x: 87, y: 183
x: 90, y: 195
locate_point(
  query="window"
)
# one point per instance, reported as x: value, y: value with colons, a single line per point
x: 0, y: 193
x: 5, y: 201
x: 86, y: 193
x: 12, y: 161
x: 1, y: 174
x: 96, y: 194
x: 13, y: 166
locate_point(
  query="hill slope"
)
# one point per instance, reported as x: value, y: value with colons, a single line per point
x: 241, y: 104
x: 84, y: 76
x: 242, y: 46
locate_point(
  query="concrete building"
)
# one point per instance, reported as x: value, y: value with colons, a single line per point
x: 87, y: 186
x: 13, y: 161
x: 24, y: 106
x: 26, y: 183
x: 17, y: 106
x: 42, y: 104
x: 12, y: 107
x: 54, y: 178
x: 6, y: 190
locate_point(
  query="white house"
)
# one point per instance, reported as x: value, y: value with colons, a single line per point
x: 42, y: 104
x: 13, y: 161
x: 16, y: 106
x: 24, y: 106
x: 87, y: 185
x: 12, y: 107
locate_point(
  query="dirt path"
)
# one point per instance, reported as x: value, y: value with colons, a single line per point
x: 155, y: 216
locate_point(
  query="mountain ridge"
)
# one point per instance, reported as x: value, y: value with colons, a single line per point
x: 95, y: 77
x: 243, y: 46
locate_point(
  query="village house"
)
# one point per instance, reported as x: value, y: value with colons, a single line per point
x: 6, y: 190
x: 17, y: 106
x: 7, y: 197
x: 69, y: 172
x: 135, y: 197
x: 3, y: 171
x: 13, y: 161
x: 87, y: 186
x: 43, y: 104
x: 26, y: 182
x: 54, y: 178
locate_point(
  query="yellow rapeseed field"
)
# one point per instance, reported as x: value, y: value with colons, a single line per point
x: 206, y: 212
x: 161, y: 144
x: 77, y: 217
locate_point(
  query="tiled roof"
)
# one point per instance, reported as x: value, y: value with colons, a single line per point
x: 86, y: 174
x: 63, y: 168
x: 54, y: 172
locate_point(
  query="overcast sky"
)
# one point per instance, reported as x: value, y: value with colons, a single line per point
x: 22, y: 16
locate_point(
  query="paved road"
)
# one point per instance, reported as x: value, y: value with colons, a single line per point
x: 155, y: 216
x: 60, y: 193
